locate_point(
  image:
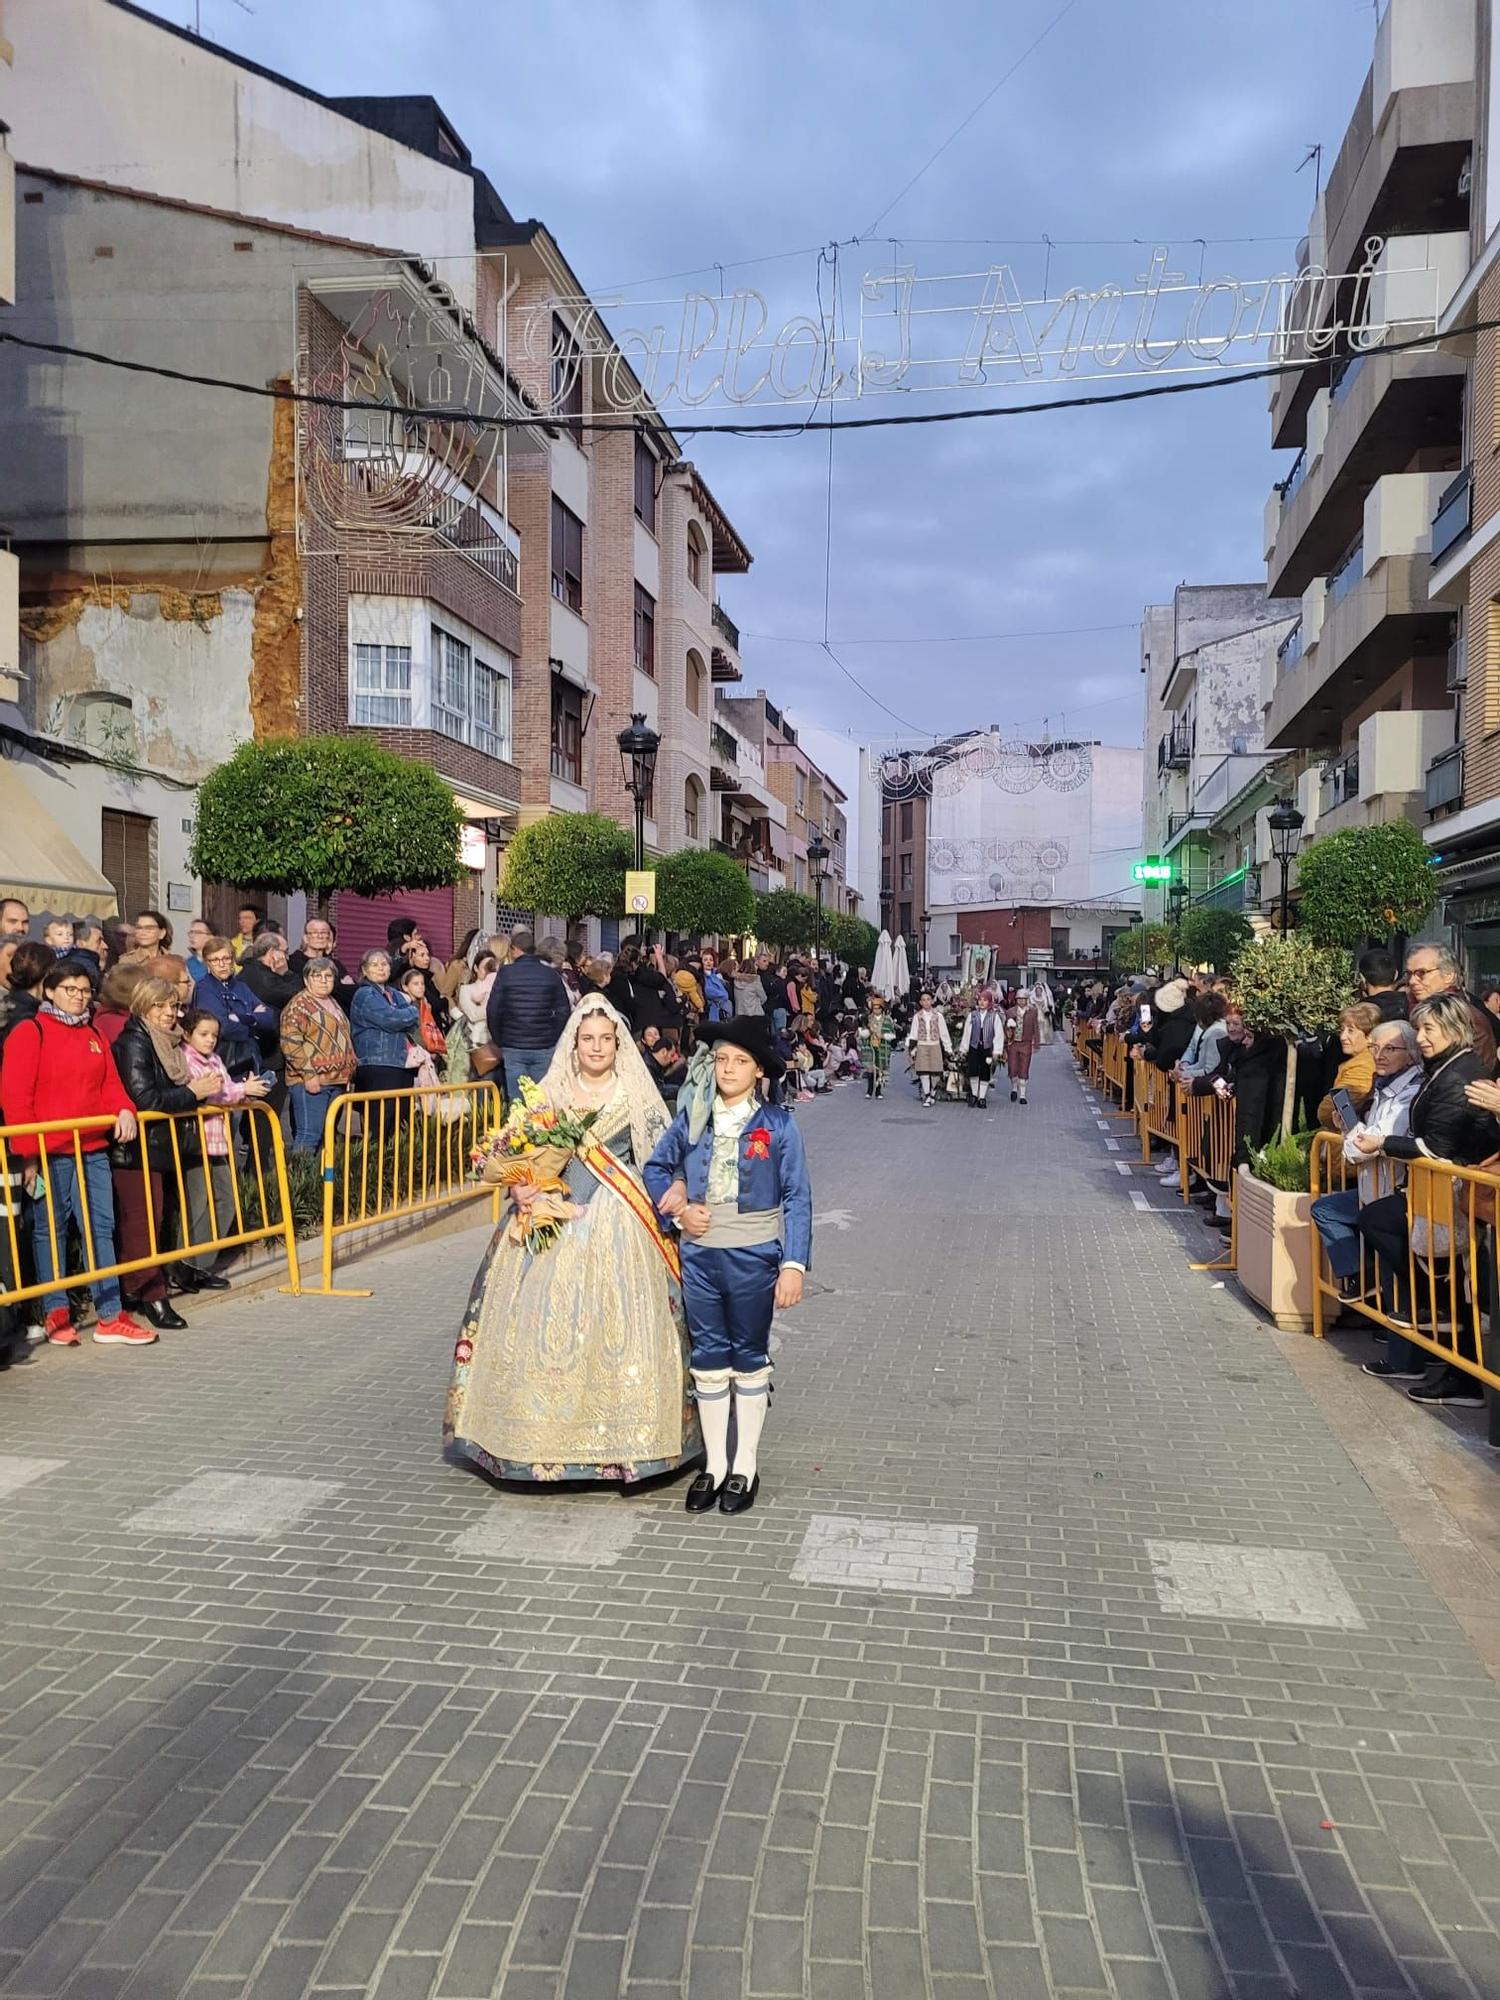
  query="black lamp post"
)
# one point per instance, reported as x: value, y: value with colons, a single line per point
x: 818, y: 852
x: 638, y: 747
x: 1177, y: 895
x: 1285, y: 823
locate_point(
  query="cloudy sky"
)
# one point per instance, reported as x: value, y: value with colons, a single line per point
x: 671, y: 134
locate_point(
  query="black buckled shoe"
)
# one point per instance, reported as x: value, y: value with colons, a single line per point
x: 162, y: 1314
x: 739, y: 1493
x: 702, y: 1494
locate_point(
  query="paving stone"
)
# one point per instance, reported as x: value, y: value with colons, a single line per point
x: 349, y: 1723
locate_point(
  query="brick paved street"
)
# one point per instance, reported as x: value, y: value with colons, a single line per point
x: 1066, y: 1654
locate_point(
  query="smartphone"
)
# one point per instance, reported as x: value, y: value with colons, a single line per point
x: 1343, y: 1110
x: 1145, y: 1016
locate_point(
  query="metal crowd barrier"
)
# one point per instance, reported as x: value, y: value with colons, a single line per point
x: 388, y: 1154
x: 231, y: 1224
x: 1451, y: 1279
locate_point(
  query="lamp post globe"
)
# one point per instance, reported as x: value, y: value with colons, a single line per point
x: 1284, y: 823
x: 818, y: 852
x: 638, y: 747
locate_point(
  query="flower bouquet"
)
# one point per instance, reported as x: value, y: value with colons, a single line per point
x: 530, y: 1150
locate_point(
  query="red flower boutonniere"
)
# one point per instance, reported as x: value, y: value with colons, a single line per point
x: 758, y: 1144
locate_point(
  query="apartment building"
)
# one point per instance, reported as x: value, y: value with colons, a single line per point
x: 811, y: 803
x: 1202, y: 662
x: 201, y: 568
x: 1361, y: 682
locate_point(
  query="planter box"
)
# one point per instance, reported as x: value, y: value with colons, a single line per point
x: 1274, y: 1251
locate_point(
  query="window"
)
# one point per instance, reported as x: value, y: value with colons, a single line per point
x: 567, y: 370
x: 692, y: 805
x: 802, y: 794
x: 885, y: 876
x: 380, y: 696
x: 470, y: 697
x: 1060, y: 943
x: 695, y: 554
x: 125, y: 857
x: 903, y: 920
x: 645, y: 484
x: 906, y: 872
x: 906, y: 821
x: 567, y: 556
x: 567, y: 730
x: 696, y: 680
x: 645, y: 631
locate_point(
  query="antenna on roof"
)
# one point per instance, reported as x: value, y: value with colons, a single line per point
x: 243, y: 5
x: 1314, y: 154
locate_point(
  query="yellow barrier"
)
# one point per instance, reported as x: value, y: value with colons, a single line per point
x: 1118, y: 1074
x: 1156, y: 1106
x: 408, y: 1153
x: 1451, y: 1265
x: 186, y: 1180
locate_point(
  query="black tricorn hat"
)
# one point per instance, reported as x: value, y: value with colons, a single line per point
x: 750, y: 1033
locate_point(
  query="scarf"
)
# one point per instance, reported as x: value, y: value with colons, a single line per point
x: 167, y: 1043
x: 68, y: 1020
x: 697, y: 1092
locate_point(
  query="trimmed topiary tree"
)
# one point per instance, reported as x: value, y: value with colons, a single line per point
x: 700, y: 891
x: 1293, y: 987
x: 850, y: 938
x: 569, y: 865
x: 323, y: 813
x: 785, y: 918
x: 1212, y: 937
x: 1365, y: 883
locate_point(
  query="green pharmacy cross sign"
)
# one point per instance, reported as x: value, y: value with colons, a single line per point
x: 1151, y: 870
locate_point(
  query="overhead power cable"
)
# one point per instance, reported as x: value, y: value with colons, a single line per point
x: 945, y: 638
x: 436, y: 413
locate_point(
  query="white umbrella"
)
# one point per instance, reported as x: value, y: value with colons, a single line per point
x: 900, y: 970
x: 880, y: 978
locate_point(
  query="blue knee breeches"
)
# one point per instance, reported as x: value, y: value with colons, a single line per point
x: 729, y: 1297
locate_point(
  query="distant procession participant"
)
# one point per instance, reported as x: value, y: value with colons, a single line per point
x: 731, y: 1173
x: 1023, y: 1033
x: 1041, y: 998
x: 982, y: 1047
x: 929, y: 1045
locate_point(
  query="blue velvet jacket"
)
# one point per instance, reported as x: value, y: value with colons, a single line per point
x: 773, y: 1172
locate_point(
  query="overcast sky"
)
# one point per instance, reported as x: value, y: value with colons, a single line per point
x: 668, y: 134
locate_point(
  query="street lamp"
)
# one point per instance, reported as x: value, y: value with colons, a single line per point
x: 1285, y: 823
x: 1177, y: 895
x: 818, y: 852
x: 638, y: 747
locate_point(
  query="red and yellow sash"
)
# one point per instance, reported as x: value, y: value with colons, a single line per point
x: 609, y: 1170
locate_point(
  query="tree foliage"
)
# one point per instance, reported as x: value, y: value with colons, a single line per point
x: 1212, y: 937
x: 1294, y: 987
x: 785, y: 917
x: 701, y: 892
x: 569, y: 865
x: 1364, y: 883
x: 1142, y: 947
x: 322, y: 813
x: 851, y: 939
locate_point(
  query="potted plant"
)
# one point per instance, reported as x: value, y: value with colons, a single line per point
x: 1291, y: 987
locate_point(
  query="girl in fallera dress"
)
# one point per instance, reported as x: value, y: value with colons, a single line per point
x: 571, y: 1363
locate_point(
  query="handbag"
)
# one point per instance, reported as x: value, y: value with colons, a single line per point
x: 485, y: 1058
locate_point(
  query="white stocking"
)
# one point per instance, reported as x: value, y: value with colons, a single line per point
x: 752, y: 1393
x: 1021, y: 1086
x: 712, y: 1385
x: 983, y: 1089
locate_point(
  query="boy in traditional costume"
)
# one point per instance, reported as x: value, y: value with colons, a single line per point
x: 731, y: 1173
x: 878, y: 1037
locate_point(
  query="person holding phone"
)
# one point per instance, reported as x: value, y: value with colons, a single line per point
x: 1356, y: 1072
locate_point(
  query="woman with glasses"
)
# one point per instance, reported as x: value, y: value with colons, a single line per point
x: 153, y: 1069
x: 151, y: 935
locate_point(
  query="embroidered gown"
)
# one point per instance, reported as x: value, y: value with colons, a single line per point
x: 573, y: 1365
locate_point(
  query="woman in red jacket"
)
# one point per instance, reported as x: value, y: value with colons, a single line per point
x: 58, y: 1066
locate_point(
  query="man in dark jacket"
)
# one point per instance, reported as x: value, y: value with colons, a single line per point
x: 1378, y: 979
x: 265, y: 969
x: 1431, y: 969
x: 320, y: 940
x: 528, y: 1009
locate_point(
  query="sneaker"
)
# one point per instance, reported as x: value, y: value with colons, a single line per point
x: 61, y: 1331
x: 123, y: 1331
x: 1384, y: 1372
x: 1171, y: 1183
x: 1455, y: 1390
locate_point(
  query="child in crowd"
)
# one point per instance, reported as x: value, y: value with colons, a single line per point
x: 58, y: 936
x: 201, y: 1050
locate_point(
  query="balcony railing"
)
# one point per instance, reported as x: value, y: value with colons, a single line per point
x: 1341, y: 784
x: 1445, y: 779
x: 1177, y: 821
x: 725, y: 748
x: 1175, y: 751
x: 1349, y: 572
x: 1289, y: 652
x: 1345, y: 373
x: 1458, y: 655
x: 726, y: 625
x: 1454, y: 513
x: 1294, y: 478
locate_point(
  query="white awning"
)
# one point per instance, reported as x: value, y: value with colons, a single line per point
x: 39, y: 863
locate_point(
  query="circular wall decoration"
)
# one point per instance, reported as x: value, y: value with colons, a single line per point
x: 1052, y: 854
x: 1069, y: 766
x: 1016, y: 769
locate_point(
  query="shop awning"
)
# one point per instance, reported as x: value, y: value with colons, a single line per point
x: 39, y: 863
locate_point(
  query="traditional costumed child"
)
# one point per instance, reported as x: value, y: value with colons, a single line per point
x: 878, y: 1037
x: 730, y: 1171
x: 982, y: 1047
x: 929, y: 1044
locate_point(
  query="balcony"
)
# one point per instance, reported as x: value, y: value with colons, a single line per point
x: 1398, y: 169
x: 1175, y: 750
x: 1239, y: 891
x: 725, y: 624
x: 1289, y: 652
x: 1385, y: 410
x: 1383, y: 774
x: 723, y: 668
x: 1377, y: 624
x: 1445, y: 780
x: 1454, y: 514
x: 1351, y: 570
x: 1340, y: 784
